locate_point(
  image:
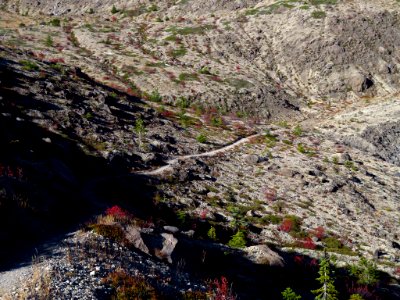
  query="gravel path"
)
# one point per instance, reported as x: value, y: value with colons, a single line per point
x: 12, y: 279
x: 172, y: 162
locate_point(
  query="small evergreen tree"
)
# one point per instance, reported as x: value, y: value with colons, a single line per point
x: 212, y: 234
x: 140, y: 130
x: 365, y: 272
x: 327, y: 291
x: 238, y: 240
x: 114, y: 10
x: 289, y: 294
x: 49, y: 41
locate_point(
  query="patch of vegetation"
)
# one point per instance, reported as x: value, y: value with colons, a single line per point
x: 195, y: 295
x: 55, y: 22
x: 205, y: 71
x: 152, y: 8
x: 89, y: 27
x: 49, y: 41
x: 135, y: 12
x: 297, y: 131
x: 212, y: 234
x: 114, y: 10
x: 113, y: 232
x: 175, y: 53
x: 155, y: 96
x: 188, y: 77
x: 159, y: 64
x: 190, y: 30
x: 185, y: 120
x: 238, y: 240
x: 326, y: 2
x: 183, y: 103
x: 350, y: 165
x: 251, y: 12
x: 272, y: 219
x: 202, y: 138
x: 238, y: 83
x: 318, y: 14
x: 332, y: 244
x: 365, y: 271
x: 29, y: 65
x: 130, y: 287
x: 289, y: 294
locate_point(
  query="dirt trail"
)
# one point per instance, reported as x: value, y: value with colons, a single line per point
x: 170, y: 163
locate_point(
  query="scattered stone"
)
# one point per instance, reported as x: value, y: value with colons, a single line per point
x: 132, y: 234
x: 262, y: 254
x: 171, y: 229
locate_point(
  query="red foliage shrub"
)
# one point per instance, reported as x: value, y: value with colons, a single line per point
x: 298, y: 259
x: 167, y: 114
x: 319, y: 232
x: 117, y: 212
x: 313, y: 263
x: 39, y: 55
x: 203, y: 214
x: 286, y: 225
x: 362, y: 290
x: 57, y: 60
x: 11, y: 172
x: 220, y: 290
x: 216, y: 78
x: 308, y: 243
x: 397, y: 271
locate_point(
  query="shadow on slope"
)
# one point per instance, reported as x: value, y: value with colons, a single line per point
x: 47, y: 181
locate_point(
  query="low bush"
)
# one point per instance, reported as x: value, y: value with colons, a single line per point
x: 130, y: 287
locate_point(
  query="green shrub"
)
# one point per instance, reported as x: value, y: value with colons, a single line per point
x: 188, y: 77
x: 178, y: 52
x: 114, y: 10
x: 356, y: 297
x: 49, y: 41
x: 212, y: 234
x: 55, y: 22
x: 238, y: 240
x: 205, y: 70
x: 301, y: 148
x: 152, y: 8
x: 332, y: 244
x: 29, y: 65
x: 273, y: 219
x: 297, y: 131
x: 155, y: 96
x: 183, y: 103
x: 318, y: 14
x: 181, y: 216
x: 289, y: 294
x: 365, y: 272
x: 318, y: 2
x: 201, y: 138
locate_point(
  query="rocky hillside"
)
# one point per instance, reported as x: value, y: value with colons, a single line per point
x: 198, y: 149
